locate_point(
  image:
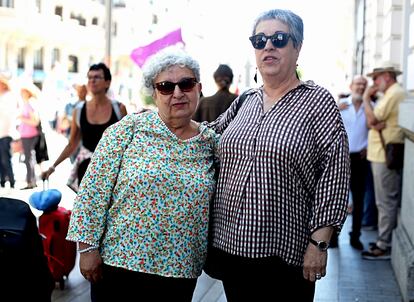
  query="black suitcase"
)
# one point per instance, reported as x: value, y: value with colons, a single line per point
x: 24, y: 274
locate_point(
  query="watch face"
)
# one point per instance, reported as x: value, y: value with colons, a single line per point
x: 322, y: 245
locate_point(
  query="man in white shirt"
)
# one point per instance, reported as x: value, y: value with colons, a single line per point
x: 353, y: 115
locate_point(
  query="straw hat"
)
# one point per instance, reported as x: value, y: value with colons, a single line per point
x: 5, y: 80
x: 31, y: 88
x: 385, y: 67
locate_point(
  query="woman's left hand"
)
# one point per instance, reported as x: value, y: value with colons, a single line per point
x: 91, y: 266
x: 314, y: 265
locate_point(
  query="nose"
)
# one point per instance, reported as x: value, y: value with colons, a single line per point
x: 177, y: 91
x: 269, y: 44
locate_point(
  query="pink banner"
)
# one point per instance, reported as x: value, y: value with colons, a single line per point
x: 141, y: 54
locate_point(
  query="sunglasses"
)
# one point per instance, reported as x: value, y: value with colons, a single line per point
x: 167, y: 87
x: 279, y: 40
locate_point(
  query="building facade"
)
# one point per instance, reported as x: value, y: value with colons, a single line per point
x: 53, y: 42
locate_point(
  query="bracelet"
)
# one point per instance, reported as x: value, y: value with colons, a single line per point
x: 52, y: 168
x: 87, y: 250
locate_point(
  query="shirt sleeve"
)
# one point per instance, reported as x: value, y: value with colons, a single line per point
x: 333, y: 173
x: 386, y: 106
x: 94, y: 198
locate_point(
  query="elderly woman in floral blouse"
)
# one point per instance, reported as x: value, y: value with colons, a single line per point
x: 141, y: 214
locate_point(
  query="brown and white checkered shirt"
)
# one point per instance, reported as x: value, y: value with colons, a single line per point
x: 283, y: 174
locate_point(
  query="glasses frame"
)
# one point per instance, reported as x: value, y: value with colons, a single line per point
x: 168, y: 87
x: 95, y: 78
x: 278, y: 39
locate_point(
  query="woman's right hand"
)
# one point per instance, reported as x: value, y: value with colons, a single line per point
x: 45, y: 174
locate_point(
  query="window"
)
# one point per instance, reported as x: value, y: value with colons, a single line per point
x: 114, y: 29
x: 21, y: 54
x: 73, y: 64
x: 119, y: 3
x: 94, y: 21
x: 38, y: 59
x: 55, y: 56
x: 7, y: 3
x: 39, y: 6
x: 59, y: 11
x: 82, y: 20
x: 154, y: 19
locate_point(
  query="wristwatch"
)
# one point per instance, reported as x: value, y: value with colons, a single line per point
x: 321, y: 245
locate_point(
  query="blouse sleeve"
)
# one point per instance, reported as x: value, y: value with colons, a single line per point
x: 333, y: 170
x: 94, y: 198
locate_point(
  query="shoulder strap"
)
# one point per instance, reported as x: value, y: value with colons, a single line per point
x: 241, y: 100
x: 78, y: 108
x: 116, y: 105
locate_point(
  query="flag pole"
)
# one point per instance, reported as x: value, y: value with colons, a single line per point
x: 108, y: 32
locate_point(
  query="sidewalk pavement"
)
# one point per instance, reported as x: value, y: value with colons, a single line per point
x: 349, y: 277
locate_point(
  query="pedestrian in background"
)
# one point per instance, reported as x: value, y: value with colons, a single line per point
x: 65, y: 120
x: 211, y: 107
x: 141, y: 215
x: 28, y: 129
x: 387, y: 182
x: 8, y: 114
x: 89, y: 121
x: 284, y: 176
x: 353, y: 115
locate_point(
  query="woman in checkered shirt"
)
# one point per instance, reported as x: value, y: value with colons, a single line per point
x: 284, y: 173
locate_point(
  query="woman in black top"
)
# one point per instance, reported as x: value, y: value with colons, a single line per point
x: 95, y: 116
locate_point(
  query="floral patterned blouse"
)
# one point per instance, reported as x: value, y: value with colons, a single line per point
x: 144, y: 199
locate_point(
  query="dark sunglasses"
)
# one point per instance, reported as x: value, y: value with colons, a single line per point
x: 279, y: 40
x: 167, y: 87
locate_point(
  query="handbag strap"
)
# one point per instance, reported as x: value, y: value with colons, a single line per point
x: 45, y: 184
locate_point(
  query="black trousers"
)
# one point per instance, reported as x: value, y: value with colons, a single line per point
x: 261, y: 279
x: 6, y: 168
x: 359, y: 171
x: 30, y: 158
x: 119, y: 284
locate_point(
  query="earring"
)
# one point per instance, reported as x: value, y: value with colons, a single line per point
x: 297, y: 72
x: 255, y: 76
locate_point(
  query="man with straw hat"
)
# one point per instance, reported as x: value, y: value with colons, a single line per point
x: 387, y: 182
x: 7, y: 120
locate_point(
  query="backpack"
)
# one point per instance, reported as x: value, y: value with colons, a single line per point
x: 115, y: 105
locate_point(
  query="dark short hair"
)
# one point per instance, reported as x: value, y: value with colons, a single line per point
x: 104, y: 68
x: 223, y: 71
